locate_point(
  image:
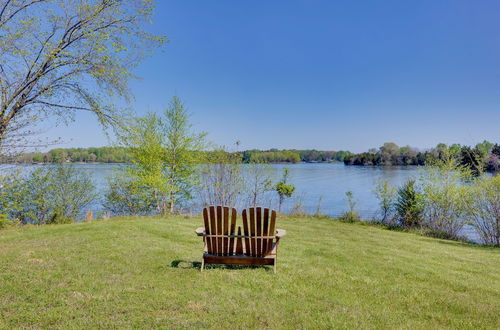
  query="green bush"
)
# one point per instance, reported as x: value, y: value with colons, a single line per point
x: 484, y: 209
x: 284, y: 189
x: 386, y: 195
x: 124, y: 197
x: 349, y: 216
x: 3, y: 221
x: 445, y: 188
x: 409, y: 205
x: 51, y: 194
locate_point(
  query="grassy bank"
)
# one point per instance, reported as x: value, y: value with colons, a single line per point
x: 143, y: 272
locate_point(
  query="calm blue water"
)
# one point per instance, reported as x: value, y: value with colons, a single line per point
x: 329, y: 181
x: 314, y: 181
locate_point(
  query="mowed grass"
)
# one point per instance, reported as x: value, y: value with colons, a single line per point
x: 144, y: 272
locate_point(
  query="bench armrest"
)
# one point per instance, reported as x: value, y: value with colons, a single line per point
x: 200, y: 231
x: 280, y: 233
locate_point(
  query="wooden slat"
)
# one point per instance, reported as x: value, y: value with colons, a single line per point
x: 213, y: 229
x: 239, y: 243
x: 244, y: 216
x: 265, y: 231
x: 232, y: 231
x: 225, y: 231
x: 208, y: 240
x: 272, y: 230
x: 258, y: 223
x: 219, y: 230
x: 253, y: 244
x: 240, y: 260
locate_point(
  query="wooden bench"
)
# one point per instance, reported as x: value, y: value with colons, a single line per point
x: 257, y: 245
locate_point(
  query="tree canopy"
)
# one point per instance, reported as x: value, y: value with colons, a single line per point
x: 62, y: 56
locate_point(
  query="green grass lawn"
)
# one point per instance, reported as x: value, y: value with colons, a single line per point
x: 144, y: 272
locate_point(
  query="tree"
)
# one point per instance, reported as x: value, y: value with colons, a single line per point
x: 62, y: 56
x: 164, y: 152
x: 182, y: 148
x: 258, y: 182
x: 409, y: 205
x: 144, y: 139
x: 474, y: 159
x: 284, y: 189
x: 221, y: 178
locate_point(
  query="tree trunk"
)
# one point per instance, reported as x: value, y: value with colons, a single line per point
x: 172, y: 202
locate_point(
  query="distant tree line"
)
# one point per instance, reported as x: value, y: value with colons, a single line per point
x: 121, y: 155
x: 74, y: 155
x: 485, y: 156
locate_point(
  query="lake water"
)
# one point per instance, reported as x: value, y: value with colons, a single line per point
x: 328, y: 181
x: 316, y: 183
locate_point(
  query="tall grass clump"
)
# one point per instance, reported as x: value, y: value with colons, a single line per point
x: 351, y: 215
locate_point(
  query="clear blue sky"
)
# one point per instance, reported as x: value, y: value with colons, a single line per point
x: 324, y: 74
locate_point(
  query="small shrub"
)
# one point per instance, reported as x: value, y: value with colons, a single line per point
x: 298, y: 207
x: 3, y: 221
x: 53, y: 194
x: 484, y: 209
x: 351, y: 215
x: 386, y: 195
x: 284, y: 189
x: 446, y: 197
x: 124, y: 197
x: 408, y: 205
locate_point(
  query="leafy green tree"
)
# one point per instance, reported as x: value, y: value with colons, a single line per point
x: 54, y: 53
x: 164, y: 152
x: 182, y: 152
x: 455, y: 149
x: 284, y: 189
x: 443, y: 151
x: 145, y: 142
x: 485, y: 147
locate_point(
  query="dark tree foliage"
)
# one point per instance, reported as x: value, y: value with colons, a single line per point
x: 408, y: 206
x: 484, y: 156
x: 473, y: 158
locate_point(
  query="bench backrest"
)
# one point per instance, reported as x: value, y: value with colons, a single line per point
x: 258, y: 231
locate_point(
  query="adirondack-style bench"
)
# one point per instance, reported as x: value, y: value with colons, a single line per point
x: 258, y: 245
